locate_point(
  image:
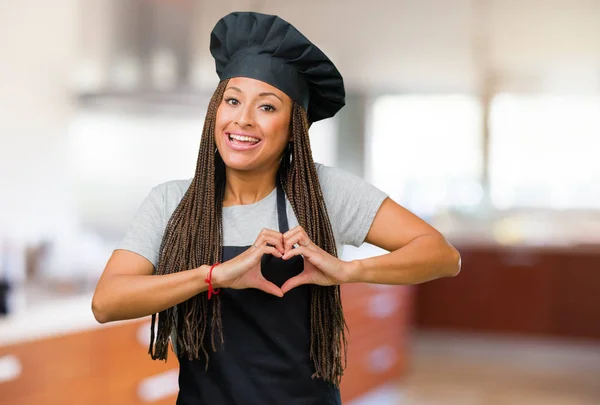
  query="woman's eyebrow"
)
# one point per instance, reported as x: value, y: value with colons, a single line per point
x: 260, y: 95
x: 270, y: 94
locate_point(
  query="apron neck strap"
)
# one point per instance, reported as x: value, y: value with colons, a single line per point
x: 281, y: 212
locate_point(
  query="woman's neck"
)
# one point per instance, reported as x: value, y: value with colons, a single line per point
x: 248, y: 187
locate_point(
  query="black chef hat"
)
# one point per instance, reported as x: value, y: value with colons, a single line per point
x: 269, y: 49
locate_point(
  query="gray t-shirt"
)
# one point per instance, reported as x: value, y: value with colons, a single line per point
x: 351, y: 202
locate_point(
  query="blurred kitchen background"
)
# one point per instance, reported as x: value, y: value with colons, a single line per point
x: 481, y: 116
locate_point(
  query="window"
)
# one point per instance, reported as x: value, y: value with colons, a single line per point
x: 116, y: 159
x: 426, y: 151
x: 543, y: 153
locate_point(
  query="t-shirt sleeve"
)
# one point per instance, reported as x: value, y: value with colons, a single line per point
x: 145, y: 231
x: 352, y: 203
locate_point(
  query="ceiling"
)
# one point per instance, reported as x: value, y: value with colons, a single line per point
x: 391, y: 45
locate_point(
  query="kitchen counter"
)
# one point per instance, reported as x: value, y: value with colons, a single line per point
x: 49, y: 318
x: 56, y: 352
x: 539, y: 290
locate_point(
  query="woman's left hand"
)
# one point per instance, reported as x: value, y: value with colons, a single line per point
x: 320, y: 267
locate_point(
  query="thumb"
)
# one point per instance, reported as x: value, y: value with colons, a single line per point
x: 268, y: 287
x: 300, y: 279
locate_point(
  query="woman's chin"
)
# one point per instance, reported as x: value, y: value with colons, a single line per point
x: 241, y: 163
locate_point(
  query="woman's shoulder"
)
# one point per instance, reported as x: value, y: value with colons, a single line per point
x: 335, y: 178
x: 177, y: 186
x: 170, y: 193
x: 352, y: 202
x: 326, y: 172
x: 339, y: 186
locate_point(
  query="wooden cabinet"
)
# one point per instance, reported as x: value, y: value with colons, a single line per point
x: 576, y: 296
x: 103, y: 366
x: 541, y: 291
x: 127, y: 366
x: 110, y: 365
x: 378, y: 320
x: 53, y: 371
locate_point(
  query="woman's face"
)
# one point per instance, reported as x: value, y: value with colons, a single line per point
x: 252, y: 126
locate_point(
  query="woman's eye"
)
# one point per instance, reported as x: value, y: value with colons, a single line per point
x: 232, y: 101
x: 267, y: 107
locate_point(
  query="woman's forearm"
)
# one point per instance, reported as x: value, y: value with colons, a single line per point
x: 125, y: 296
x: 426, y: 258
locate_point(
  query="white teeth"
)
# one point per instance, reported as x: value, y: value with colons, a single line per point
x: 243, y: 138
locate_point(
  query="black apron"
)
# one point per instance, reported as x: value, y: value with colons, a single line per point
x: 266, y: 355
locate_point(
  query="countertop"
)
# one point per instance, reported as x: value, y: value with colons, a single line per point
x: 50, y: 318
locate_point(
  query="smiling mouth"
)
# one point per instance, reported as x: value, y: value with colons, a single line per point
x: 243, y: 139
x: 239, y: 142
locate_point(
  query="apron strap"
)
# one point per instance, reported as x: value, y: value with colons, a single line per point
x: 281, y: 212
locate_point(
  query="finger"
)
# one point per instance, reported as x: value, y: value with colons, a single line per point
x: 296, y: 252
x: 300, y: 279
x: 277, y: 242
x: 313, y: 256
x: 293, y: 231
x: 271, y: 237
x: 300, y: 238
x: 257, y: 253
x: 294, y: 237
x: 271, y: 251
x: 289, y: 240
x: 269, y: 287
x: 268, y: 234
x: 270, y: 241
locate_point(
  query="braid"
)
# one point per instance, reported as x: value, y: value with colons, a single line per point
x: 301, y: 183
x: 194, y: 236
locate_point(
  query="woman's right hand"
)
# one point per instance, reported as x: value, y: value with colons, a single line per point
x: 243, y: 271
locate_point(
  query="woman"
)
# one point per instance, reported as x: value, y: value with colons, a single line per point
x: 241, y: 261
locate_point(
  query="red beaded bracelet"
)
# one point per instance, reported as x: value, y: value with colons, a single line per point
x: 208, y: 280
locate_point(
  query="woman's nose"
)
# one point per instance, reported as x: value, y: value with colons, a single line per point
x: 245, y: 116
